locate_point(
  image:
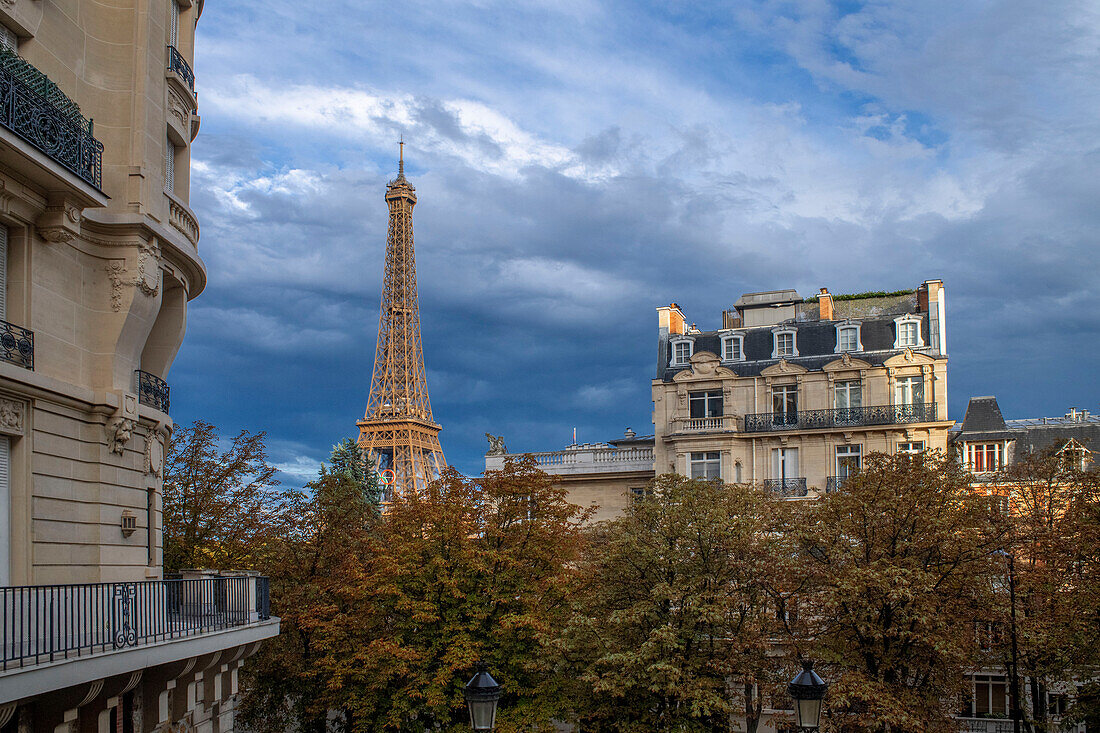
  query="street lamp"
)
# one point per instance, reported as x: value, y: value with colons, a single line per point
x: 482, y: 693
x: 807, y: 689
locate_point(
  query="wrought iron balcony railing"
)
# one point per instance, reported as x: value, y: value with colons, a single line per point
x: 833, y: 483
x: 152, y: 390
x: 788, y: 487
x: 178, y: 64
x: 764, y: 422
x: 35, y: 109
x: 45, y: 623
x: 17, y: 345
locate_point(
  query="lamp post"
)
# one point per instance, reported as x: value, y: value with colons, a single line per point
x: 807, y: 689
x: 482, y: 693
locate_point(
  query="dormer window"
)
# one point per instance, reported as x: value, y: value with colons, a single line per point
x: 908, y: 332
x: 733, y: 348
x: 784, y: 343
x: 848, y: 338
x: 682, y: 349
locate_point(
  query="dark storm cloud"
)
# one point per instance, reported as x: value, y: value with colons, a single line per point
x: 577, y: 165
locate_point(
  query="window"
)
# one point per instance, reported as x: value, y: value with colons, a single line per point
x: 169, y: 165
x: 5, y: 503
x: 732, y: 348
x: 848, y: 393
x: 639, y: 494
x: 785, y: 398
x: 909, y: 391
x: 908, y: 332
x: 681, y: 352
x: 705, y: 404
x: 3, y: 273
x: 1057, y: 704
x: 1073, y: 456
x: 784, y: 344
x: 785, y: 463
x: 8, y: 40
x: 174, y: 24
x: 848, y: 458
x: 990, y: 696
x: 913, y: 446
x: 983, y: 457
x: 847, y: 338
x: 706, y: 465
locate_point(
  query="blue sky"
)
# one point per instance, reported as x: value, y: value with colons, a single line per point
x: 579, y: 163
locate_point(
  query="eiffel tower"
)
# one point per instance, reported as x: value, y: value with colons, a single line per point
x: 398, y: 432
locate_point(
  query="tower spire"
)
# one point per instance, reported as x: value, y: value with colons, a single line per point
x: 398, y: 431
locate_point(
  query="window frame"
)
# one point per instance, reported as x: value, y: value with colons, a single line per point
x: 710, y: 459
x: 676, y: 341
x: 848, y: 326
x: 909, y: 449
x: 849, y: 390
x: 911, y: 379
x: 729, y: 339
x: 787, y: 390
x: 709, y: 398
x: 906, y: 320
x: 972, y: 451
x: 776, y: 333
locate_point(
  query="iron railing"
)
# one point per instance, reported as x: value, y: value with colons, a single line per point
x: 152, y: 390
x: 44, y: 623
x: 17, y: 345
x: 764, y: 422
x: 178, y: 64
x: 787, y: 487
x: 35, y: 109
x: 833, y: 483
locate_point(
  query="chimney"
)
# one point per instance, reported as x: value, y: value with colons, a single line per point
x: 672, y: 318
x: 825, y: 305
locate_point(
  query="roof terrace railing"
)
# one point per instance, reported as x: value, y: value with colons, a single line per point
x: 35, y: 109
x: 45, y: 623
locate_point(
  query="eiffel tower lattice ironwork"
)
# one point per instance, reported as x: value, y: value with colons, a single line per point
x: 398, y: 432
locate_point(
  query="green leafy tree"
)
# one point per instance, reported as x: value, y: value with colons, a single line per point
x: 349, y: 460
x: 672, y: 627
x: 896, y: 565
x: 220, y: 503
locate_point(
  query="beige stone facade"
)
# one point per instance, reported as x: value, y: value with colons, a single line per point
x: 604, y: 477
x: 794, y: 393
x: 99, y: 252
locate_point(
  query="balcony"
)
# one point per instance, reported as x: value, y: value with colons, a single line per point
x: 178, y: 65
x: 50, y: 623
x: 152, y: 390
x: 585, y: 459
x: 788, y: 488
x: 841, y: 417
x: 984, y: 725
x: 704, y: 424
x: 36, y: 110
x: 17, y: 345
x: 834, y: 483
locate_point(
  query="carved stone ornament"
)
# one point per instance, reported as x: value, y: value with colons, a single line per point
x: 59, y: 222
x: 846, y: 359
x: 147, y: 279
x: 784, y: 366
x: 6, y: 4
x: 178, y: 108
x: 908, y: 354
x: 496, y: 445
x: 154, y: 454
x: 119, y: 431
x: 11, y: 416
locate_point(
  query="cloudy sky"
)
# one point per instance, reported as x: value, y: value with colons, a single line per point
x: 580, y: 162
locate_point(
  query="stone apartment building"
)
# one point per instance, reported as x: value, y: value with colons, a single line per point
x: 792, y: 393
x: 98, y: 260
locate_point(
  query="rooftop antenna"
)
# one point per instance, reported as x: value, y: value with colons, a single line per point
x: 401, y: 156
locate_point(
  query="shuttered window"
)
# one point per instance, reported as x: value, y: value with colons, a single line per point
x: 5, y: 510
x: 8, y: 40
x: 169, y: 165
x: 174, y: 24
x: 3, y: 273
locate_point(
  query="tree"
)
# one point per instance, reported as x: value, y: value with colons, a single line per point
x: 673, y: 625
x: 349, y: 460
x: 1046, y: 607
x: 896, y: 565
x: 219, y: 505
x: 327, y: 536
x: 384, y: 619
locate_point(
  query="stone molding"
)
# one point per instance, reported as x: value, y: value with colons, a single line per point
x: 12, y: 417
